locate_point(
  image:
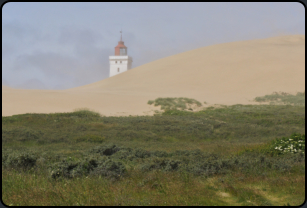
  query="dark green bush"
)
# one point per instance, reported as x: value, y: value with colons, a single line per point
x: 141, y: 153
x: 63, y: 169
x: 109, y: 168
x: 172, y: 165
x: 19, y: 160
x: 102, y: 166
x: 160, y: 163
x: 107, y: 150
x: 123, y: 155
x: 159, y: 153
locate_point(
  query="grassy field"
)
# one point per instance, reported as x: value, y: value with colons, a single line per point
x: 231, y: 155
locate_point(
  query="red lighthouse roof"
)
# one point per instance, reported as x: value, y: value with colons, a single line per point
x: 120, y: 45
x: 120, y: 49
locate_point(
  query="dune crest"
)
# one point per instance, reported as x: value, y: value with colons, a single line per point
x: 228, y: 73
x: 4, y: 87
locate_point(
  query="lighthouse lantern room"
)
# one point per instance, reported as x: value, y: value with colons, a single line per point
x: 120, y: 62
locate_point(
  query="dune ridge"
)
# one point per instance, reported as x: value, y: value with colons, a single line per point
x: 227, y: 73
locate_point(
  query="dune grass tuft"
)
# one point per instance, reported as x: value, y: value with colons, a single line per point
x: 85, y: 112
x: 283, y: 98
x: 175, y: 103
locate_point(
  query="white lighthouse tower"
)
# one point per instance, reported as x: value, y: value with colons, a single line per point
x: 121, y: 62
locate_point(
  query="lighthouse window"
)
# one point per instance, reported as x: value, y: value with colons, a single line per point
x: 117, y: 69
x: 123, y: 51
x: 116, y: 62
x: 120, y: 61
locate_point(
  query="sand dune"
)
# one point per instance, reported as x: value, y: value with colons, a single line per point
x: 6, y: 87
x: 229, y: 73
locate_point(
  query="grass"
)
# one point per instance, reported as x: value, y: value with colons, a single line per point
x: 175, y: 103
x: 216, y: 156
x: 155, y: 188
x: 283, y: 98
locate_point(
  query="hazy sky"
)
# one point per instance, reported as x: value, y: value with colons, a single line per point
x: 64, y: 45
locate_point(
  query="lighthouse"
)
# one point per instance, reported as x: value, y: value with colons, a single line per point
x: 120, y: 62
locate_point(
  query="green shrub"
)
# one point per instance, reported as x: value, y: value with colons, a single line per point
x: 141, y: 153
x: 107, y: 150
x: 109, y: 168
x: 19, y: 160
x: 152, y: 164
x: 160, y: 163
x: 159, y: 153
x: 124, y: 155
x: 172, y: 165
x: 63, y: 169
x: 101, y: 166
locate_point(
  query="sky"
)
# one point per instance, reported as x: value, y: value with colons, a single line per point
x: 57, y: 45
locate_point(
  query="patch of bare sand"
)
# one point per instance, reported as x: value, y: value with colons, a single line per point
x: 223, y: 194
x: 226, y: 74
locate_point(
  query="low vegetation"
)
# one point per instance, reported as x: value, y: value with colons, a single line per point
x: 283, y: 98
x: 175, y: 103
x: 294, y: 144
x: 233, y: 155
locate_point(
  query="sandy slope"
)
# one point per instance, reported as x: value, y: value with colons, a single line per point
x: 228, y: 73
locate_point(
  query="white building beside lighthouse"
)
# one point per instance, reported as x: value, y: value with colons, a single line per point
x: 120, y: 62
